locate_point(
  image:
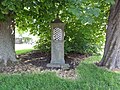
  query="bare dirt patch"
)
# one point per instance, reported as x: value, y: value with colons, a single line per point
x: 36, y: 61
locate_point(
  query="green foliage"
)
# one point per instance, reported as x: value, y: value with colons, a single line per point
x: 89, y: 77
x: 44, y: 43
x: 26, y: 39
x: 84, y: 30
x: 84, y: 38
x: 85, y: 21
x: 110, y: 1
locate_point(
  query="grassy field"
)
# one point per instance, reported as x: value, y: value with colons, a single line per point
x: 90, y: 77
x: 23, y: 51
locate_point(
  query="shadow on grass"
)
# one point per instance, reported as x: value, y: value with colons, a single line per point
x: 90, y: 77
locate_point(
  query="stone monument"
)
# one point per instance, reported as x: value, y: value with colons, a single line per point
x: 57, y: 45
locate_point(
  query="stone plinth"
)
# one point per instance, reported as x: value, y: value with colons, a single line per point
x: 57, y: 46
x: 58, y: 65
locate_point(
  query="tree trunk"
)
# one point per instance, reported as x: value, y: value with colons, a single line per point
x: 13, y: 33
x: 7, y: 51
x: 111, y: 57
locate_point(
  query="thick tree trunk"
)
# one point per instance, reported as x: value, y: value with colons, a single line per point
x: 111, y: 57
x: 13, y: 33
x: 7, y: 51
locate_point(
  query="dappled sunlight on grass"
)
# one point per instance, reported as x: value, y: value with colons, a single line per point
x: 93, y: 59
x: 97, y: 78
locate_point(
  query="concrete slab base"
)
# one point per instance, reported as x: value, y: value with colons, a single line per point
x: 56, y: 65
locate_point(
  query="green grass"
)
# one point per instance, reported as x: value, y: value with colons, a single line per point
x: 90, y: 77
x: 23, y: 51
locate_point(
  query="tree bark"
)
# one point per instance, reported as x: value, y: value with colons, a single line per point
x: 7, y: 51
x: 13, y: 33
x: 111, y: 57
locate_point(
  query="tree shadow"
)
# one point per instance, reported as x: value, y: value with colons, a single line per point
x: 41, y: 59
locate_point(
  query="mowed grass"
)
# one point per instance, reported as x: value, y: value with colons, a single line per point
x: 90, y: 77
x: 23, y: 51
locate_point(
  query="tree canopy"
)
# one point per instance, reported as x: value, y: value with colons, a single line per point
x: 85, y: 20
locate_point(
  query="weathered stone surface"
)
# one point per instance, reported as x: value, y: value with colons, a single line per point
x: 57, y: 53
x: 58, y: 65
x: 57, y: 46
x: 53, y: 65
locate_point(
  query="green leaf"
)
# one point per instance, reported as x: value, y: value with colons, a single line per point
x: 87, y: 20
x: 75, y: 11
x: 5, y: 11
x: 11, y: 7
x: 110, y: 1
x: 6, y: 2
x: 96, y: 11
x: 1, y: 16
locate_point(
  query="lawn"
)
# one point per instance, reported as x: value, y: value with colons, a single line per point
x: 23, y: 51
x: 90, y: 77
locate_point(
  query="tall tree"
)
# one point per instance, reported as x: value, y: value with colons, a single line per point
x: 7, y: 51
x: 8, y: 9
x: 22, y: 11
x: 111, y: 57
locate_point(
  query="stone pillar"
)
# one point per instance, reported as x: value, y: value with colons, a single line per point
x: 57, y: 45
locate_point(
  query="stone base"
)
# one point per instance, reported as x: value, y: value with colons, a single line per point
x: 56, y: 65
